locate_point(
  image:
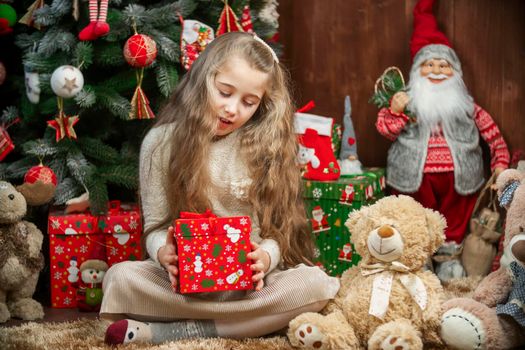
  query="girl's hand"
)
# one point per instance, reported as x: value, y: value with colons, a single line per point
x: 261, y: 264
x: 167, y: 256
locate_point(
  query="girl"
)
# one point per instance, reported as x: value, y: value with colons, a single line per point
x: 224, y: 141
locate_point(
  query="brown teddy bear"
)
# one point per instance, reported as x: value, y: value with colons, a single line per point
x: 20, y: 258
x: 495, y: 317
x: 387, y: 301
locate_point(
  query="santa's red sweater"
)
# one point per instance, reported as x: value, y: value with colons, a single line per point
x: 439, y: 159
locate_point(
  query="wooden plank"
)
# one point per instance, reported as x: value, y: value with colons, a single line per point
x: 340, y: 47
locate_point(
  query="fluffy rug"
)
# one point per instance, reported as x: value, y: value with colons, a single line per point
x: 89, y: 334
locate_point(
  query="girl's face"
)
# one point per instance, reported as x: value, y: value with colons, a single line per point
x: 237, y: 93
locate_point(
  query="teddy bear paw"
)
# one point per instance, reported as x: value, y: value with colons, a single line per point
x: 393, y: 342
x: 462, y: 330
x: 4, y: 313
x: 26, y: 309
x: 310, y: 337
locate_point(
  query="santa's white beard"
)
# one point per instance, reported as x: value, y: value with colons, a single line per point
x: 439, y: 104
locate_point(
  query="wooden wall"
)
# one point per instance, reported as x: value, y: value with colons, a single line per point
x: 339, y: 47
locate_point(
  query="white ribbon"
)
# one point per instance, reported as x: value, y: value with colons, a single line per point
x: 382, y: 286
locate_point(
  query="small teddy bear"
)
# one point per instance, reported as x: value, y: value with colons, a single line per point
x: 495, y: 317
x: 387, y: 301
x: 20, y: 258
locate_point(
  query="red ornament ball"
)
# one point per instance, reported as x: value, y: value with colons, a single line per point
x: 140, y: 50
x: 40, y: 173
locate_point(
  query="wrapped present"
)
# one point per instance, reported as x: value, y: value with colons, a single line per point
x: 328, y: 204
x: 6, y: 145
x: 122, y: 227
x: 378, y: 177
x: 213, y: 253
x: 73, y: 239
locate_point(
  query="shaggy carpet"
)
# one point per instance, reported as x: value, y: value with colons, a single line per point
x: 89, y: 334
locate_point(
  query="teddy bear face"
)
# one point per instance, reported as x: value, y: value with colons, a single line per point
x: 12, y: 204
x: 511, y: 191
x: 396, y: 228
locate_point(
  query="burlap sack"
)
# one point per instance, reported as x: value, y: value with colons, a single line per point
x: 480, y: 245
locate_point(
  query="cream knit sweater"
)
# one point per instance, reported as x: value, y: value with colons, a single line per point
x: 228, y: 195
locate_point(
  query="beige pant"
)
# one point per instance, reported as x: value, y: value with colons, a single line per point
x: 141, y: 290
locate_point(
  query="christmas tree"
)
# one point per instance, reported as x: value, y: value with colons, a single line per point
x: 96, y: 73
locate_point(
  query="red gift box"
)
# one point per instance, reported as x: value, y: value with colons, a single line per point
x: 213, y: 253
x: 6, y: 145
x: 73, y: 238
x: 122, y: 227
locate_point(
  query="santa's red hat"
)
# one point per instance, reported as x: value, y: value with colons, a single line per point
x: 427, y: 41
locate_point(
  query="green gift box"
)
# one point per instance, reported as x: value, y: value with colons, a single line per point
x: 378, y: 177
x: 328, y: 204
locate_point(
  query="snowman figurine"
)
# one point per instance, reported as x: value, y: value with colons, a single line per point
x: 89, y: 292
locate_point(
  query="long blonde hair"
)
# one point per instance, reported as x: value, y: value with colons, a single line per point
x: 268, y: 146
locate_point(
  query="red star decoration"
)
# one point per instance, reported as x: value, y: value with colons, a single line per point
x: 64, y: 126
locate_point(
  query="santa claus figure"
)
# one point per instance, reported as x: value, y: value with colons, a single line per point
x: 347, y: 196
x: 319, y: 221
x: 436, y: 157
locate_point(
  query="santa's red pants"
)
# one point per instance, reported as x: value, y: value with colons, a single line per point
x: 437, y: 192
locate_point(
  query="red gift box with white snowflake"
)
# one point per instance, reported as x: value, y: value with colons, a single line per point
x: 122, y: 227
x: 73, y: 239
x: 213, y: 253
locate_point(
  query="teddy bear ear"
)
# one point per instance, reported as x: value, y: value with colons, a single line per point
x: 436, y: 227
x: 507, y: 177
x: 353, y: 218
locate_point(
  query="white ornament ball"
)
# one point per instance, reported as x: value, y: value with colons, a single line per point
x: 67, y: 81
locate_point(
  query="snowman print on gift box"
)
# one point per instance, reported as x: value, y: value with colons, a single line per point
x: 198, y: 264
x: 73, y: 270
x: 234, y: 277
x: 234, y: 234
x: 120, y: 234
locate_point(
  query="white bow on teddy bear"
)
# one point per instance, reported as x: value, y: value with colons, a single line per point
x: 382, y: 286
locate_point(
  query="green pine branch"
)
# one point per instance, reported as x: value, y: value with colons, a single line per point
x: 39, y: 148
x: 79, y: 167
x: 98, y: 151
x: 169, y: 49
x: 167, y: 77
x: 17, y: 169
x: 9, y: 115
x: 66, y: 189
x: 108, y: 54
x: 113, y: 102
x: 28, y: 42
x: 57, y: 40
x: 123, y: 175
x: 49, y: 15
x: 83, y: 55
x: 86, y: 98
x: 390, y: 84
x: 59, y: 166
x: 98, y: 195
